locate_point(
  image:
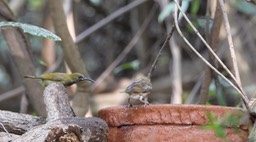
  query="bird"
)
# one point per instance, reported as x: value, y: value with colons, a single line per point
x: 63, y: 78
x: 139, y: 90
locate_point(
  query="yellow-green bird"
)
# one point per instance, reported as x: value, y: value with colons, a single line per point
x: 63, y: 78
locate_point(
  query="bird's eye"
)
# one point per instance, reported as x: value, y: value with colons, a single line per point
x: 80, y: 77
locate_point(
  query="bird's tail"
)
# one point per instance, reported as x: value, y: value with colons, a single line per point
x: 33, y: 77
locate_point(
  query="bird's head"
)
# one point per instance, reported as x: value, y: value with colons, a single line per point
x: 79, y: 77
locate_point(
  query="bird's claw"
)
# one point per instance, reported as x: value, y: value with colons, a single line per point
x: 129, y: 106
x: 146, y: 104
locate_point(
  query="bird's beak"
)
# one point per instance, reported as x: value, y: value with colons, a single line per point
x: 88, y: 79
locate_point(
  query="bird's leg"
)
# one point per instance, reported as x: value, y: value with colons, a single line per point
x: 73, y: 111
x: 144, y: 99
x: 129, y: 102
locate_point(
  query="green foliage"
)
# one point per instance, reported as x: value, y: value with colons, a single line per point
x: 203, y: 22
x: 215, y: 125
x: 166, y: 11
x: 195, y: 7
x: 130, y: 65
x: 35, y: 4
x: 31, y: 29
x: 245, y: 7
x: 212, y: 89
x: 220, y: 97
x: 218, y: 92
x: 198, y: 21
x: 95, y: 2
x: 189, y: 28
x: 41, y: 62
x: 219, y: 125
x: 169, y: 8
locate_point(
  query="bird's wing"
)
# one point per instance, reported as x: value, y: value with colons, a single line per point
x: 135, y: 87
x: 147, y: 88
x: 57, y: 77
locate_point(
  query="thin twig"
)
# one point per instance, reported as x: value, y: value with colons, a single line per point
x: 213, y: 41
x: 126, y: 50
x: 206, y: 44
x: 193, y: 93
x: 160, y: 51
x: 230, y: 42
x: 175, y: 66
x: 239, y: 90
x: 108, y: 19
x: 13, y: 93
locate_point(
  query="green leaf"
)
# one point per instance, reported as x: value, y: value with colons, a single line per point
x: 35, y: 4
x: 130, y: 65
x: 95, y: 2
x: 195, y: 7
x: 170, y: 8
x: 219, y: 131
x: 166, y: 11
x: 202, y: 22
x: 41, y: 62
x: 245, y: 7
x: 31, y: 29
x: 212, y: 89
x: 215, y: 126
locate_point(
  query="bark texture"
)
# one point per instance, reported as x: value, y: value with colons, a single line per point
x: 71, y: 56
x: 61, y: 125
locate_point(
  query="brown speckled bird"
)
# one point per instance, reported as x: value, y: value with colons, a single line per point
x: 139, y: 90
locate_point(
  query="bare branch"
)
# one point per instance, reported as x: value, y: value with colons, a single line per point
x: 57, y: 102
x: 71, y: 56
x: 230, y: 42
x: 206, y: 44
x: 19, y: 123
x: 15, y: 92
x: 213, y: 41
x: 239, y: 90
x: 108, y: 19
x: 20, y: 52
x: 160, y: 51
x: 126, y: 50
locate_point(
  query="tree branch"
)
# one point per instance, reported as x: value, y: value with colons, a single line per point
x: 71, y: 56
x: 19, y: 49
x: 60, y: 125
